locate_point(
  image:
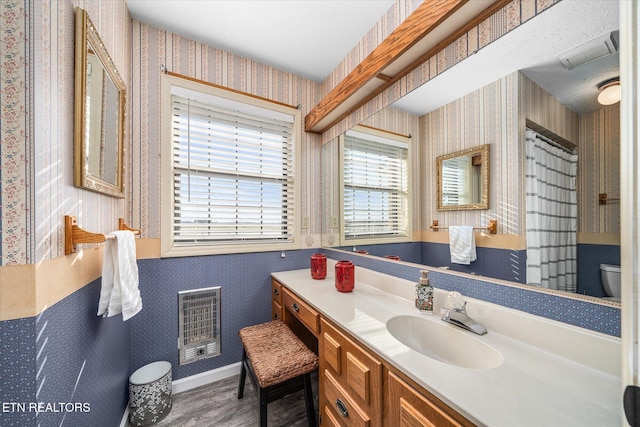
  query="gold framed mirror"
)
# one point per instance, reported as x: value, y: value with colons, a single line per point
x: 463, y: 179
x: 100, y: 99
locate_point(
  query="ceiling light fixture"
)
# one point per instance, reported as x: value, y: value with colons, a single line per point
x: 609, y: 91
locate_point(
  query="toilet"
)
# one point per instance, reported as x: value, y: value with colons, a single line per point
x: 610, y: 275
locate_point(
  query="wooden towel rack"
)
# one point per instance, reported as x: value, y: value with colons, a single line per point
x: 492, y: 228
x: 74, y: 234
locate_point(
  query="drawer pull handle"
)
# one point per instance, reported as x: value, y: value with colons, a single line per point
x: 275, y: 316
x: 295, y: 307
x: 275, y: 292
x: 342, y: 408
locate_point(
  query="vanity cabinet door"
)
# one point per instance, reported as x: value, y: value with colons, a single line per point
x: 408, y: 408
x: 276, y: 300
x: 355, y: 371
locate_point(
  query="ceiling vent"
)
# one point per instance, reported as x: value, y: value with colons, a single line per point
x: 590, y: 51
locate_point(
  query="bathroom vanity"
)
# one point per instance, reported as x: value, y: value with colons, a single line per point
x: 382, y: 363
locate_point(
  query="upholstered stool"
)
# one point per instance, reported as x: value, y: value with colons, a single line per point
x: 278, y: 364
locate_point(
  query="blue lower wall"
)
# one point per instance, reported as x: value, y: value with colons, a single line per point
x: 497, y: 263
x: 589, y: 259
x: 17, y: 369
x: 246, y: 300
x: 596, y: 317
x: 504, y: 264
x: 67, y: 354
x: 409, y: 252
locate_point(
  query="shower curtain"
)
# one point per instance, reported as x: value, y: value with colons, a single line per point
x: 551, y: 204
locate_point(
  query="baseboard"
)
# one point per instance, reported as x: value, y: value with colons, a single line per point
x: 125, y: 418
x: 203, y: 378
x: 197, y: 380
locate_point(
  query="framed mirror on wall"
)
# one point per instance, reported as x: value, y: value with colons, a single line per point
x: 463, y: 179
x: 99, y: 120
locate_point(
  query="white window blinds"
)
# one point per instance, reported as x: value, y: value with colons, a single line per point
x: 233, y: 172
x: 456, y: 181
x: 375, y: 185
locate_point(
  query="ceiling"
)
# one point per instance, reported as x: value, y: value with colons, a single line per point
x: 310, y: 38
x: 534, y: 48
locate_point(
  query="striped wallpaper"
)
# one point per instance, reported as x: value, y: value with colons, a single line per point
x: 36, y: 129
x: 37, y: 126
x: 154, y: 48
x: 496, y: 115
x: 599, y: 170
x: 485, y: 116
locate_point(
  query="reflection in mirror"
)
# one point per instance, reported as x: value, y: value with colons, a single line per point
x: 497, y: 113
x: 463, y: 179
x: 99, y: 117
x: 374, y: 186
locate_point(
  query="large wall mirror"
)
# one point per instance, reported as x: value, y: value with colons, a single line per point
x: 505, y: 87
x: 100, y: 97
x: 463, y: 179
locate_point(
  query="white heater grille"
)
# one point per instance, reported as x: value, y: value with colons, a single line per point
x: 199, y: 324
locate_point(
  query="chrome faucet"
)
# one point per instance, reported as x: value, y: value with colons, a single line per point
x: 458, y: 316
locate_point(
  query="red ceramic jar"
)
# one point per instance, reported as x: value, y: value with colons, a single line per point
x: 345, y: 276
x: 318, y: 266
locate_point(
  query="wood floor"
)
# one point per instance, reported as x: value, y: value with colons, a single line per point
x: 217, y: 405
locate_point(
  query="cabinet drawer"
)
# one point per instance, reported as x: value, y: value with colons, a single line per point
x: 276, y: 291
x: 340, y: 408
x: 307, y: 315
x: 276, y: 310
x: 409, y: 408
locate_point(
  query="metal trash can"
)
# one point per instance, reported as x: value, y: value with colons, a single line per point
x: 150, y: 394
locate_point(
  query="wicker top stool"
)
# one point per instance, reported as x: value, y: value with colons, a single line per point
x: 278, y: 364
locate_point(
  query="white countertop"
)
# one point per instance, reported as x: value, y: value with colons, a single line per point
x: 553, y: 374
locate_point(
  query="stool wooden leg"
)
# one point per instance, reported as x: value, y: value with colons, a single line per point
x: 243, y: 374
x: 263, y: 400
x: 308, y: 400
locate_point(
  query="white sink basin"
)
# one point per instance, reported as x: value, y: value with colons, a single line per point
x: 444, y: 342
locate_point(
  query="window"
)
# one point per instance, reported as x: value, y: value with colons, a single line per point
x: 375, y: 187
x: 456, y: 181
x: 230, y: 184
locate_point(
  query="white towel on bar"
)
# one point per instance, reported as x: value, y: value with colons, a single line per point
x: 462, y: 244
x: 119, y: 292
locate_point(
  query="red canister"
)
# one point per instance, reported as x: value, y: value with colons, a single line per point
x: 345, y: 276
x: 318, y: 266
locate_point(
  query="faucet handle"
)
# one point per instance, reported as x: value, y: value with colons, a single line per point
x: 455, y: 301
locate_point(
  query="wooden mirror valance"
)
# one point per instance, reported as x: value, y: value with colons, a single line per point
x: 412, y: 43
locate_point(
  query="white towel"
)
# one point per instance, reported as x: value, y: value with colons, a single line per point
x: 462, y: 244
x: 120, y: 293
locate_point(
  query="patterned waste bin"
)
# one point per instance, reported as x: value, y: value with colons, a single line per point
x: 150, y: 394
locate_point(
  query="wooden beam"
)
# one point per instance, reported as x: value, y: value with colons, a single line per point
x: 420, y: 23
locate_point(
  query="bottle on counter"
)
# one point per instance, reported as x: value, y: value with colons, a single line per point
x: 424, y: 294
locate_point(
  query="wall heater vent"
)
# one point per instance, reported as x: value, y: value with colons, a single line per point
x: 199, y: 324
